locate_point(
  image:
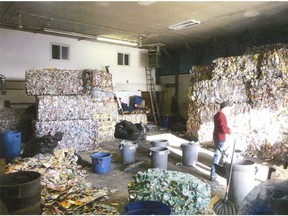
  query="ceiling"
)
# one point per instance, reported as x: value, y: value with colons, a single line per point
x: 131, y: 20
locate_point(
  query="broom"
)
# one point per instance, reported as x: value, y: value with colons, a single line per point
x: 224, y: 206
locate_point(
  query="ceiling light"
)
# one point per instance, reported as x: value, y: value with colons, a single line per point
x: 67, y: 33
x: 87, y: 36
x: 184, y: 24
x: 251, y: 14
x: 116, y: 41
x: 146, y: 3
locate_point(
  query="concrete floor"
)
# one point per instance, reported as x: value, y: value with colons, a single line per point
x: 120, y: 175
x: 117, y: 179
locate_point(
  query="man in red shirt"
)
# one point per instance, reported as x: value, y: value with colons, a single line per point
x: 219, y: 135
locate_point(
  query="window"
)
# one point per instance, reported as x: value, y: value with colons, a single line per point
x: 123, y: 59
x: 60, y: 51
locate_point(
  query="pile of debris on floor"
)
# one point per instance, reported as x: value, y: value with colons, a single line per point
x: 186, y: 193
x: 64, y: 187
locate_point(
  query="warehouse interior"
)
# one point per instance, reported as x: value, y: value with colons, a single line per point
x: 80, y: 79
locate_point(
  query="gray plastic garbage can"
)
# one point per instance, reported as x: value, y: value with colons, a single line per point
x: 159, y: 157
x: 159, y: 143
x: 190, y: 153
x: 242, y: 179
x: 128, y: 152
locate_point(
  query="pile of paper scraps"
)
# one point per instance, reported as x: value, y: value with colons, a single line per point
x: 64, y: 187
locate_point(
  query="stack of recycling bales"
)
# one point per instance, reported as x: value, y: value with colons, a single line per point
x: 105, y: 111
x: 78, y: 103
x: 257, y: 84
x: 198, y: 75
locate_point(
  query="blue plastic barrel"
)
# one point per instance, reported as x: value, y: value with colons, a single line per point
x: 101, y: 162
x: 10, y: 144
x: 166, y: 122
x: 146, y: 208
x: 136, y: 100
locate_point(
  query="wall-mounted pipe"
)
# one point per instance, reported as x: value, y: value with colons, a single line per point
x: 2, y: 84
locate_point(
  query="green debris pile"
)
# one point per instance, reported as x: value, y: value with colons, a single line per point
x: 191, y: 143
x: 127, y: 142
x: 184, y: 193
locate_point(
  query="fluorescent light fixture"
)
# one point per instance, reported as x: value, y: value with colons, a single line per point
x: 184, y: 24
x: 110, y: 40
x: 86, y: 36
x: 67, y: 33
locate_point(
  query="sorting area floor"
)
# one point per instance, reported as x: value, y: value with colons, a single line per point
x: 120, y: 174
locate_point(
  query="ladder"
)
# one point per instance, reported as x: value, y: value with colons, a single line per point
x: 151, y: 88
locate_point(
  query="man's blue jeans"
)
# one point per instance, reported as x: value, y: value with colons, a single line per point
x: 217, y: 155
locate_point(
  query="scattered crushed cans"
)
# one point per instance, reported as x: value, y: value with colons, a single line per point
x: 184, y: 193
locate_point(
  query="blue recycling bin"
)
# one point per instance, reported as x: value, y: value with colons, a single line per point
x: 10, y: 144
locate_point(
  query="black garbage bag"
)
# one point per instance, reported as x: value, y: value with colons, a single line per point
x: 143, y: 129
x: 44, y: 144
x: 26, y: 125
x: 128, y: 130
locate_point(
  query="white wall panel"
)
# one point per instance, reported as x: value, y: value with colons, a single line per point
x: 21, y: 51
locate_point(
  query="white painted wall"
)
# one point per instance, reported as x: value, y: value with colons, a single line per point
x: 21, y: 51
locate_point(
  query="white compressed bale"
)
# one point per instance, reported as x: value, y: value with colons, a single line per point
x: 10, y: 119
x: 54, y: 82
x: 78, y: 134
x: 58, y: 108
x: 134, y: 118
x: 68, y: 82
